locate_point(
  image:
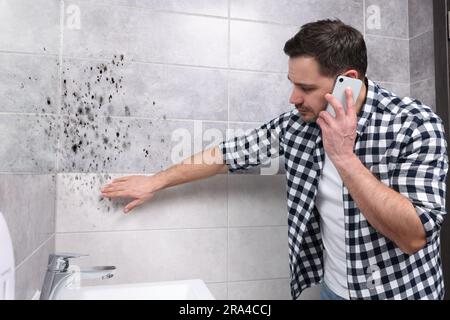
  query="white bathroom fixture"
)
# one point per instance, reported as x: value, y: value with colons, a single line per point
x: 6, y: 262
x: 194, y: 289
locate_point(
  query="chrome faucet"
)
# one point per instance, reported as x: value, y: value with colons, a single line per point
x: 59, y: 274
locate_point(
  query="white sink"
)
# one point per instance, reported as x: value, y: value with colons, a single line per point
x: 170, y: 290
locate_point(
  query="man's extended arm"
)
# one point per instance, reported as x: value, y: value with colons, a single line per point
x: 142, y: 188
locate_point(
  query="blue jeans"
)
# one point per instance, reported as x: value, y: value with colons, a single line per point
x: 327, y: 294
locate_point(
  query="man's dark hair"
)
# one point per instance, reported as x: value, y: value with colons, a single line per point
x: 336, y: 46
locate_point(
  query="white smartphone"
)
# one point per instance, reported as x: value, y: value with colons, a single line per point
x: 340, y: 85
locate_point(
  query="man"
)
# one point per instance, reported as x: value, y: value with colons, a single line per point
x: 366, y: 188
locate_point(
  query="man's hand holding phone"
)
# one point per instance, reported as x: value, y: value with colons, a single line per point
x: 339, y: 131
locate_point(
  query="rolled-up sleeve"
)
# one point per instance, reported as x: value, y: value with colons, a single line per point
x: 256, y: 147
x: 420, y: 172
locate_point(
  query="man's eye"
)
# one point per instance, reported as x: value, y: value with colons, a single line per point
x: 304, y: 89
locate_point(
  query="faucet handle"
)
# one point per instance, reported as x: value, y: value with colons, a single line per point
x: 60, y: 261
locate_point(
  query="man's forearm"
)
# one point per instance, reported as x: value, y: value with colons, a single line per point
x: 199, y: 166
x: 389, y: 212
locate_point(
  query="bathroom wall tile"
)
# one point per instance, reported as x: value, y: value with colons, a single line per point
x: 144, y: 90
x: 145, y: 35
x: 425, y: 91
x: 30, y: 26
x: 272, y: 167
x: 218, y: 290
x: 276, y: 289
x: 257, y: 253
x: 400, y: 89
x: 98, y: 144
x: 393, y: 18
x: 256, y: 97
x: 144, y: 256
x: 30, y: 274
x: 28, y: 204
x: 298, y: 12
x: 28, y: 143
x: 130, y: 145
x: 420, y: 16
x: 28, y: 83
x: 422, y: 57
x: 215, y: 8
x: 388, y: 59
x: 81, y: 208
x: 259, y: 46
x: 255, y: 200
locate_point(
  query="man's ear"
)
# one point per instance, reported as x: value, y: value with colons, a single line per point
x: 352, y: 73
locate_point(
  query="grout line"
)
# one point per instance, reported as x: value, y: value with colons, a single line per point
x: 174, y: 64
x: 408, y: 34
x: 387, y: 37
x: 61, y: 43
x: 227, y: 228
x: 423, y: 80
x: 169, y: 119
x: 249, y: 280
x: 388, y: 82
x: 421, y: 34
x: 34, y: 252
x: 364, y: 18
x: 120, y: 173
x: 10, y: 52
x: 409, y: 44
x: 29, y: 173
x: 228, y: 17
x: 43, y: 114
x: 58, y: 140
x: 149, y: 9
x: 226, y: 132
x: 262, y: 279
x: 127, y: 117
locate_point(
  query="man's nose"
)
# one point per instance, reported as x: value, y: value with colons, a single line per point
x: 296, y: 97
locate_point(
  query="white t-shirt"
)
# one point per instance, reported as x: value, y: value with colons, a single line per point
x: 330, y: 205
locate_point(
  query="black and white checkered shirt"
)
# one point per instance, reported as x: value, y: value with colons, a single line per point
x: 402, y: 142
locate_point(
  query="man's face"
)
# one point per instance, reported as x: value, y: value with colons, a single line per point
x: 309, y: 87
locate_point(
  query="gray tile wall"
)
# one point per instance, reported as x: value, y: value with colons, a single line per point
x: 422, y: 51
x: 98, y: 92
x: 29, y: 87
x: 28, y: 203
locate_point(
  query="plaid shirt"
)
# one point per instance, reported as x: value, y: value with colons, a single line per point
x: 402, y: 142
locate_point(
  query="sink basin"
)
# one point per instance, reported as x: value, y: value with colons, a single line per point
x: 170, y: 290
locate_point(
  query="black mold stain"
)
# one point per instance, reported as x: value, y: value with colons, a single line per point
x: 89, y: 98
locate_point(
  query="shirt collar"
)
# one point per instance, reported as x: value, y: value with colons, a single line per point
x: 369, y: 106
